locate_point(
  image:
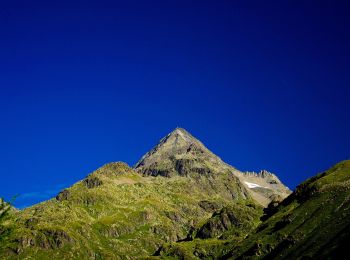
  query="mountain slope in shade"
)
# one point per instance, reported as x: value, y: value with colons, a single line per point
x: 314, y: 222
x: 179, y: 153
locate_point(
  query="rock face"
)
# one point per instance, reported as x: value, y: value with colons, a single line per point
x: 181, y: 154
x: 92, y: 182
x: 63, y: 195
x: 228, y: 218
x: 264, y: 186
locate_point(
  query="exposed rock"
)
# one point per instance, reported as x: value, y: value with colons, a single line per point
x: 92, y: 182
x: 180, y: 154
x: 209, y: 206
x: 263, y: 185
x: 26, y: 241
x: 218, y: 223
x: 54, y: 239
x: 31, y: 222
x: 63, y: 195
x: 173, y: 216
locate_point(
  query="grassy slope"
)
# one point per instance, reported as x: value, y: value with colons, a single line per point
x: 122, y: 214
x: 222, y: 231
x: 313, y: 222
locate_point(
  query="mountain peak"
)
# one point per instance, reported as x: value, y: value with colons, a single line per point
x: 180, y: 133
x: 179, y: 153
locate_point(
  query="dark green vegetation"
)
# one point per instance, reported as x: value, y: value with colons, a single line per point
x: 313, y: 222
x: 182, y: 202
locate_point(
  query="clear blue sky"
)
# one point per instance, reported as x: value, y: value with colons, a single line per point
x: 264, y: 84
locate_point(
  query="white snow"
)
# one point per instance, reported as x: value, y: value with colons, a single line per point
x: 252, y: 185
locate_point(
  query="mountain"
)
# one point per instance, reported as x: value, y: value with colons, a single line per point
x: 181, y: 201
x: 264, y: 186
x: 178, y: 191
x: 312, y: 223
x: 180, y: 154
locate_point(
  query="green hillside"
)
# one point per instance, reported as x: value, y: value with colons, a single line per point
x: 181, y: 201
x: 312, y: 223
x: 117, y: 212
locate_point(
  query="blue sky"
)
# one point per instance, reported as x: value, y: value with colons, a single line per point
x: 264, y: 84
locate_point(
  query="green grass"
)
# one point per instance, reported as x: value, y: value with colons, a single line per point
x: 124, y: 215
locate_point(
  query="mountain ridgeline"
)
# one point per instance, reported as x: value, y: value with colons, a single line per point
x: 181, y: 201
x: 180, y: 154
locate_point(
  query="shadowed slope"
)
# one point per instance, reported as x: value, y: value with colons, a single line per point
x: 313, y: 222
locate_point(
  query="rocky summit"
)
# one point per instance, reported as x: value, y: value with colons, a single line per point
x: 181, y: 154
x: 181, y: 201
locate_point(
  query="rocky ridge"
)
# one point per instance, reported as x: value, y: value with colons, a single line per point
x: 181, y: 154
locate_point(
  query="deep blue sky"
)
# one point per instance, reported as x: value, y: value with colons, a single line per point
x: 264, y: 84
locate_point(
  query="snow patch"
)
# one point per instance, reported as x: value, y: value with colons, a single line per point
x: 253, y: 185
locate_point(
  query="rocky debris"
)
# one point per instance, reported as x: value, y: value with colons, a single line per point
x: 218, y: 223
x: 31, y: 222
x: 25, y: 241
x: 115, y: 231
x: 174, y: 216
x: 209, y: 206
x: 92, y: 182
x: 63, y: 195
x: 46, y: 239
x: 146, y: 216
x: 54, y: 239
